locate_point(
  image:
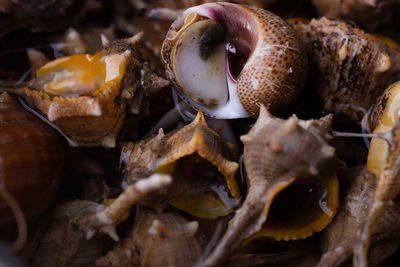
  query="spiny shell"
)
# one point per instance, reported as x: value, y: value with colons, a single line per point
x: 279, y: 154
x: 163, y: 153
x: 275, y: 65
x: 63, y: 244
x: 161, y: 239
x: 338, y: 239
x: 31, y: 160
x: 92, y: 110
x: 349, y: 67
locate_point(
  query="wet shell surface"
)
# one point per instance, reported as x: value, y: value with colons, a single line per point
x: 383, y: 119
x: 31, y: 160
x: 349, y: 67
x: 385, y: 162
x: 227, y: 59
x: 292, y: 185
x: 197, y: 159
x: 86, y: 96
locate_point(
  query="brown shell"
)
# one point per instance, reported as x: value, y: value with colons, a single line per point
x: 338, y: 239
x: 31, y: 160
x: 279, y: 154
x: 161, y: 153
x: 350, y: 68
x: 95, y: 119
x: 388, y: 188
x: 63, y: 244
x: 157, y: 239
x: 276, y: 69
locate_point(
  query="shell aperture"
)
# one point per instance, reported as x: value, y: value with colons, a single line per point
x: 260, y: 60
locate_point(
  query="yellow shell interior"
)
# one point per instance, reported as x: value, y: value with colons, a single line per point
x: 194, y: 159
x: 300, y: 208
x: 80, y: 74
x: 379, y: 148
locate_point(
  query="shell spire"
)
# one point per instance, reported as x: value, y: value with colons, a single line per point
x: 281, y: 156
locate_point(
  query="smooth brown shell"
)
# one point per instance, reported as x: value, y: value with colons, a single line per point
x: 95, y: 119
x: 31, y: 160
x: 276, y: 67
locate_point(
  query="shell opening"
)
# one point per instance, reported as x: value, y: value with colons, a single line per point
x: 80, y: 74
x: 304, y: 207
x: 207, y: 59
x: 199, y: 188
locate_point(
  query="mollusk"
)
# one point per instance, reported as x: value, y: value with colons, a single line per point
x: 383, y: 119
x: 85, y: 96
x: 350, y: 67
x: 338, y: 239
x: 196, y: 157
x: 283, y: 160
x: 227, y: 59
x: 65, y: 245
x: 31, y: 160
x: 161, y: 238
x: 385, y: 162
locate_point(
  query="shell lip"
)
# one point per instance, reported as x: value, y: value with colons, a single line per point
x: 328, y: 205
x: 223, y: 112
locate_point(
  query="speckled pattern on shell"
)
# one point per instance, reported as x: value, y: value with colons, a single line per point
x: 350, y: 68
x: 276, y: 70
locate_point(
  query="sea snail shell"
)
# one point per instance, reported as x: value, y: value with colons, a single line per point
x: 227, y: 59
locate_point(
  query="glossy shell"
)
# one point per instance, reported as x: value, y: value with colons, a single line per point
x: 86, y: 96
x: 382, y: 120
x: 31, y: 160
x: 283, y: 156
x: 186, y: 155
x: 267, y: 66
x: 388, y: 187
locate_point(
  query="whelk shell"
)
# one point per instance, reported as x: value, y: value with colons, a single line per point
x: 227, y: 59
x: 31, y: 162
x: 195, y: 147
x: 282, y: 155
x: 384, y: 161
x: 161, y: 239
x: 338, y: 239
x: 86, y: 96
x: 349, y: 67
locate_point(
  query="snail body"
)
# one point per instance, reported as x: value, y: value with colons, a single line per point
x: 227, y: 59
x: 31, y: 160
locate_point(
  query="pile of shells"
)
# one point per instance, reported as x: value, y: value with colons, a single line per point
x: 199, y: 133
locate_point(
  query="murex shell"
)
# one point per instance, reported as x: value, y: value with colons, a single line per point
x: 196, y: 157
x: 161, y: 239
x: 227, y: 59
x: 85, y: 96
x: 292, y: 185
